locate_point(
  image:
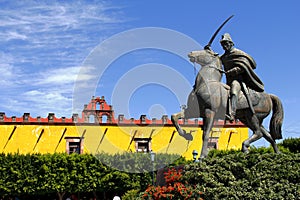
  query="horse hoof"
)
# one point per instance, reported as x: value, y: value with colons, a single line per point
x: 278, y: 152
x: 245, y: 150
x: 188, y: 137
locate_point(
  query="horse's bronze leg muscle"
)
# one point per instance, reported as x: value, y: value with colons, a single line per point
x: 253, y: 123
x: 269, y: 138
x: 207, y: 126
x: 174, y: 118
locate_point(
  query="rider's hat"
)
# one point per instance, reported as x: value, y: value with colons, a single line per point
x: 226, y: 37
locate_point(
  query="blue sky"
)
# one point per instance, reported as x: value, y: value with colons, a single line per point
x: 47, y: 47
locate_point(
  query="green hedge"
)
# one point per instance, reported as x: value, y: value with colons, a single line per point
x: 261, y: 174
x: 292, y: 144
x: 246, y: 176
x: 231, y: 174
x: 30, y: 176
x: 37, y: 174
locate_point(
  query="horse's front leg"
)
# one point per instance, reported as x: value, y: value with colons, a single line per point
x: 207, y: 126
x: 174, y: 118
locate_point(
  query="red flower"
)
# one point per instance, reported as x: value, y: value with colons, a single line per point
x: 174, y: 188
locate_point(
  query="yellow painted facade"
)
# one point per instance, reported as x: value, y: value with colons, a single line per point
x: 112, y: 138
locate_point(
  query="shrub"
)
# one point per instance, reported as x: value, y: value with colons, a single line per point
x: 131, y: 194
x: 292, y: 144
x: 246, y: 176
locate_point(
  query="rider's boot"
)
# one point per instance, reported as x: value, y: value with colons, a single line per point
x: 233, y: 108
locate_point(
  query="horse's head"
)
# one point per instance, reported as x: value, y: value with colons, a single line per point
x: 204, y: 57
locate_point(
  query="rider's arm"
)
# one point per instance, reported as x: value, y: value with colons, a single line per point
x: 235, y: 71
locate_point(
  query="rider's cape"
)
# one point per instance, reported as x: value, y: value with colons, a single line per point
x: 242, y: 59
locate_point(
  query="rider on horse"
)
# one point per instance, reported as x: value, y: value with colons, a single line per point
x: 239, y: 67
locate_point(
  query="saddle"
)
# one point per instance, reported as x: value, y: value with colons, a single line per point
x: 242, y: 101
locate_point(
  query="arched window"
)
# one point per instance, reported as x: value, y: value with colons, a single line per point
x: 104, y: 119
x: 92, y: 119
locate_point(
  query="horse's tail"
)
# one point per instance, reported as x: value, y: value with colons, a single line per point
x: 277, y: 118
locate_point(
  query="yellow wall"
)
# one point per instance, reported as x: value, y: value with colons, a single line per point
x: 45, y: 138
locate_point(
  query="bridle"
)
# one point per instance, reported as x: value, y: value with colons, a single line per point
x: 220, y: 70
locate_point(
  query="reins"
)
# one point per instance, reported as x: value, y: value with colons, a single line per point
x: 220, y: 70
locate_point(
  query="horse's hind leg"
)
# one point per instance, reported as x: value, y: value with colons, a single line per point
x: 246, y: 144
x: 253, y: 123
x: 269, y: 138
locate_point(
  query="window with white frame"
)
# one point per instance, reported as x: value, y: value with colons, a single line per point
x: 142, y: 145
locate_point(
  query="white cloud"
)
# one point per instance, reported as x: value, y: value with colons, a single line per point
x: 15, y: 35
x: 58, y: 76
x: 59, y: 32
x: 40, y: 103
x: 9, y: 75
x: 42, y: 44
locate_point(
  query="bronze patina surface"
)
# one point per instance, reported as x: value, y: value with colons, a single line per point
x: 244, y: 93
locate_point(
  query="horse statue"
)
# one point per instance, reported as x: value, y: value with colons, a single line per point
x: 209, y: 100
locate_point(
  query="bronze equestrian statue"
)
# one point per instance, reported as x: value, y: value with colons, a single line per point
x: 209, y: 97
